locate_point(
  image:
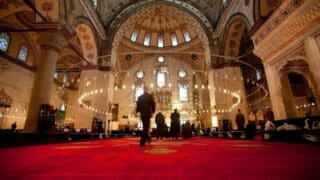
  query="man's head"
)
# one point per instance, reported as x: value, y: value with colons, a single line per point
x: 175, y: 110
x: 239, y: 110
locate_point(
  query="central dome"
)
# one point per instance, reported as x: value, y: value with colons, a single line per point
x: 161, y: 26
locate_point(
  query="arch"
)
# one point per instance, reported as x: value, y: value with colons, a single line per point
x: 87, y: 42
x: 236, y: 27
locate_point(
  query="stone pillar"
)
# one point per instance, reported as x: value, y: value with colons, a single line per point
x: 213, y: 115
x: 50, y: 43
x: 287, y: 97
x: 313, y: 59
x: 274, y: 85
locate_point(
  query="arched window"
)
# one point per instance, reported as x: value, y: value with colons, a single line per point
x: 174, y: 40
x: 94, y: 3
x: 4, y: 41
x: 186, y: 36
x: 139, y: 91
x: 63, y: 107
x: 134, y: 35
x: 147, y: 39
x: 183, y: 92
x: 161, y: 78
x: 225, y: 3
x: 23, y: 53
x: 160, y: 41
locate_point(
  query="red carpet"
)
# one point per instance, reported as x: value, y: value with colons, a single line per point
x: 205, y: 158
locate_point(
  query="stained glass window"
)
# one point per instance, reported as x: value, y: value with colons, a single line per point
x: 183, y: 92
x: 23, y: 53
x: 258, y: 74
x: 174, y: 40
x: 63, y: 107
x: 147, y: 39
x: 94, y: 3
x: 134, y: 35
x: 182, y: 73
x: 4, y: 41
x: 186, y: 36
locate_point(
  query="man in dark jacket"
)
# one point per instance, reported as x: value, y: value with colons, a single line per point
x: 240, y: 120
x: 146, y: 107
x: 160, y: 125
x: 175, y: 124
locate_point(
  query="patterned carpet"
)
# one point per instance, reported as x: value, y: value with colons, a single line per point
x: 205, y: 158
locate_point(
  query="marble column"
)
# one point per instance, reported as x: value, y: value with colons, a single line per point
x: 274, y: 85
x: 212, y: 94
x: 313, y: 59
x: 50, y: 43
x: 287, y: 97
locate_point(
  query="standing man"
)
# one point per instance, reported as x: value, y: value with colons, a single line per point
x: 160, y: 125
x: 175, y: 124
x: 146, y: 107
x: 240, y: 120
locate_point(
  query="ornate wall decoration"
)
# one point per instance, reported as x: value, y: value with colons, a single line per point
x: 87, y: 42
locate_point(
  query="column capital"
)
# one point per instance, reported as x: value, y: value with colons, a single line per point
x: 53, y: 40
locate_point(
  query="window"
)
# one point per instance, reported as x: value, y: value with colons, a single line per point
x: 225, y: 3
x: 139, y: 74
x: 186, y: 36
x: 161, y: 59
x: 258, y: 74
x: 183, y: 92
x: 134, y: 35
x: 174, y: 41
x: 147, y: 39
x: 94, y: 4
x: 23, y: 53
x: 160, y: 41
x: 4, y: 41
x: 182, y: 73
x: 63, y: 107
x: 139, y: 91
x: 161, y: 78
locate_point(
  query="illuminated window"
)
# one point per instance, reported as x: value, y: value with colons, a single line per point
x: 4, y: 41
x: 134, y: 35
x: 94, y: 3
x: 147, y: 39
x: 174, y: 40
x: 182, y: 73
x: 161, y: 59
x: 186, y: 36
x: 258, y: 74
x: 225, y: 3
x: 160, y: 41
x: 55, y: 75
x: 183, y: 92
x: 139, y: 91
x: 63, y: 107
x: 23, y: 53
x: 139, y: 74
x: 161, y: 78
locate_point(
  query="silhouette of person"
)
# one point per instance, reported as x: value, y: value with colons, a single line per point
x: 160, y: 125
x: 186, y: 130
x: 14, y: 127
x: 175, y: 124
x: 146, y: 107
x: 240, y: 120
